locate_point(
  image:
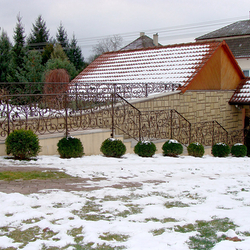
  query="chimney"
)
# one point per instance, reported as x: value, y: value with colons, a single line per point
x: 142, y: 34
x: 155, y: 39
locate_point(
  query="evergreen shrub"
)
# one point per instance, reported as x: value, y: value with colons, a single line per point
x: 22, y: 144
x: 195, y: 149
x: 239, y: 150
x: 220, y: 150
x: 172, y: 148
x: 145, y: 148
x: 70, y: 147
x: 113, y: 148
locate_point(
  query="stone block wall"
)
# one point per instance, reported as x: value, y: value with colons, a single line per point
x: 197, y: 106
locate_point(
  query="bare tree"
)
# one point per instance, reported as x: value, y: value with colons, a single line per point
x: 112, y: 43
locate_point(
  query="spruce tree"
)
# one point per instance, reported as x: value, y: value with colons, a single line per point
x: 75, y: 54
x: 39, y: 36
x: 62, y: 37
x: 5, y: 56
x: 18, y: 51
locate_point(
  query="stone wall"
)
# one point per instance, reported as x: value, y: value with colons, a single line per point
x: 197, y: 106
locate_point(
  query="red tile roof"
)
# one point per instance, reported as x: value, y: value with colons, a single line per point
x: 168, y: 64
x: 242, y: 94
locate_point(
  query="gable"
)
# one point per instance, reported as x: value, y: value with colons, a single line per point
x: 221, y: 72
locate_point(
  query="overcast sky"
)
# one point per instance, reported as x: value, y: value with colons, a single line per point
x: 175, y: 21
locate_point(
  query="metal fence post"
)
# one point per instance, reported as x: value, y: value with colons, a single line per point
x: 8, y: 116
x: 112, y: 115
x: 171, y: 124
x: 140, y: 137
x: 66, y: 116
x: 212, y: 133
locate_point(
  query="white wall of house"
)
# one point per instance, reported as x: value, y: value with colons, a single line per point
x: 244, y: 63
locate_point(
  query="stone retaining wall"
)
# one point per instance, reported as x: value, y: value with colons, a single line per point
x: 197, y: 106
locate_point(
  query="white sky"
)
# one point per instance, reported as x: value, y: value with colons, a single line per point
x: 101, y: 18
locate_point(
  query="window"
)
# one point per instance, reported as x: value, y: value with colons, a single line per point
x: 246, y: 73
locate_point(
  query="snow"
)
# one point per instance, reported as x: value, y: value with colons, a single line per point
x: 173, y: 64
x: 130, y: 196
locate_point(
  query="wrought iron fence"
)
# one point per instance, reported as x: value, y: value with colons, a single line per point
x: 56, y: 107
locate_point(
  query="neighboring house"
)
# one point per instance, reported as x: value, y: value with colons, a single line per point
x: 143, y: 42
x: 237, y: 36
x: 206, y: 72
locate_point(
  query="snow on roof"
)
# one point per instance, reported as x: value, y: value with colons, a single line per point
x: 242, y: 93
x: 168, y: 64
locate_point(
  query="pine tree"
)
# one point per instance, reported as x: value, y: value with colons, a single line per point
x: 5, y: 56
x: 39, y: 36
x: 62, y: 37
x: 75, y: 54
x: 18, y: 51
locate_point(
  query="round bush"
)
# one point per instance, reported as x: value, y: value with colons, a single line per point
x: 113, y: 148
x: 195, y: 149
x: 220, y: 150
x: 172, y: 148
x: 239, y: 150
x: 145, y: 148
x: 22, y: 144
x: 70, y: 147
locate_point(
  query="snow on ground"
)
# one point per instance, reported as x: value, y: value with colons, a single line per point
x: 134, y: 203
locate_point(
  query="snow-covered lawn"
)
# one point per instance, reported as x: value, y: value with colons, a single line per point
x: 134, y: 203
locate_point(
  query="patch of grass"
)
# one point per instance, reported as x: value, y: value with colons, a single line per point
x: 247, y: 234
x: 9, y: 215
x: 165, y: 220
x: 185, y: 229
x: 26, y: 236
x: 29, y: 175
x: 132, y: 209
x: 90, y: 211
x: 77, y: 233
x: 8, y: 248
x: 104, y: 246
x: 157, y: 232
x: 171, y: 204
x: 111, y: 237
x: 207, y: 237
x: 33, y: 220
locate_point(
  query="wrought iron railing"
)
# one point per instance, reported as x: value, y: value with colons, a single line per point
x: 125, y: 90
x: 57, y: 108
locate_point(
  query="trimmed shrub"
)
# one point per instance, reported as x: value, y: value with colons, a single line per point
x: 172, y: 148
x: 220, y: 150
x: 22, y: 144
x: 145, y: 148
x: 195, y: 149
x: 239, y: 150
x: 70, y: 147
x: 113, y: 148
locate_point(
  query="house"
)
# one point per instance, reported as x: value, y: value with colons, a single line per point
x: 237, y: 37
x: 204, y: 75
x: 143, y: 42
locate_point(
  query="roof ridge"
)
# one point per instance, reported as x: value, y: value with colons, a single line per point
x: 164, y: 46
